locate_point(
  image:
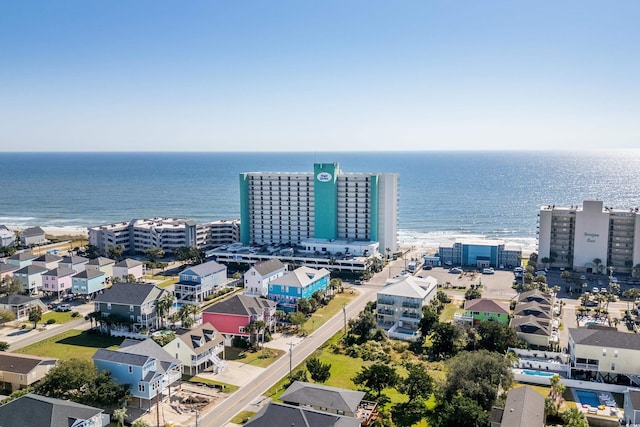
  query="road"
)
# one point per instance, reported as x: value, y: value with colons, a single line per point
x: 34, y: 336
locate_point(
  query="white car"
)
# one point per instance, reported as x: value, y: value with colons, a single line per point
x: 595, y: 290
x: 488, y: 270
x: 614, y: 279
x: 583, y: 277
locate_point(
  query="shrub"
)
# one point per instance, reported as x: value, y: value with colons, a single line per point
x: 51, y: 321
x: 75, y: 314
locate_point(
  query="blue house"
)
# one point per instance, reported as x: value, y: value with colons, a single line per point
x: 148, y: 369
x: 21, y: 259
x: 300, y: 283
x: 198, y: 282
x: 88, y: 282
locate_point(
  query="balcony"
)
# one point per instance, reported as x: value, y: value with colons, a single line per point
x: 385, y: 301
x: 407, y: 304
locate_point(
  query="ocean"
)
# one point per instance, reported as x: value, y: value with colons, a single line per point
x: 442, y: 195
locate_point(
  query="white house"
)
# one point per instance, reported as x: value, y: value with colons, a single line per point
x: 128, y: 266
x: 32, y: 236
x: 632, y: 407
x: 258, y: 277
x: 198, y: 349
x: 74, y: 262
x: 102, y: 265
x: 7, y: 237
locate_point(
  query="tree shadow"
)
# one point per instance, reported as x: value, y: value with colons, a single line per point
x: 93, y: 340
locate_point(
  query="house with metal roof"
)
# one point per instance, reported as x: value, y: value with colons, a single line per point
x: 148, y: 369
x: 198, y: 282
x: 18, y: 371
x: 524, y: 407
x: 50, y: 412
x: 232, y: 315
x: 258, y: 277
x: 32, y: 236
x: 399, y: 305
x: 130, y: 302
x: 198, y: 349
x: 280, y: 414
x: 302, y: 282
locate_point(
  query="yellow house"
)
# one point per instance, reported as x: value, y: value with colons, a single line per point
x: 18, y: 371
x: 605, y: 354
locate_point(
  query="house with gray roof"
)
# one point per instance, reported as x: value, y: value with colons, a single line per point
x: 20, y: 304
x: 32, y: 236
x: 604, y: 354
x: 74, y: 262
x: 632, y: 407
x: 128, y: 267
x: 198, y: 282
x: 7, y: 237
x: 280, y: 414
x: 103, y: 265
x: 88, y: 283
x: 533, y: 330
x: 7, y: 270
x: 524, y: 407
x: 232, y: 315
x: 50, y: 412
x: 22, y: 259
x: 48, y: 261
x: 535, y: 295
x: 533, y: 308
x: 258, y: 277
x: 58, y: 281
x: 31, y: 278
x: 302, y: 282
x: 148, y: 369
x: 130, y: 302
x: 18, y: 371
x: 198, y: 349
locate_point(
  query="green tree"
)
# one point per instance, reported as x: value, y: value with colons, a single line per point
x: 304, y: 306
x: 364, y: 326
x: 407, y: 414
x: 115, y: 252
x: 429, y: 320
x: 11, y: 286
x: 297, y: 318
x: 6, y: 316
x: 565, y: 275
x: 185, y: 312
x: 471, y: 294
x: 573, y: 417
x: 35, y: 315
x: 119, y: 415
x: 164, y: 305
x: 139, y: 423
x: 495, y: 336
x: 418, y: 382
x: 377, y: 377
x: 445, y: 340
x: 477, y: 376
x: 459, y: 411
x: 335, y: 283
x: 154, y: 254
x: 4, y: 346
x: 91, y: 252
x: 319, y: 372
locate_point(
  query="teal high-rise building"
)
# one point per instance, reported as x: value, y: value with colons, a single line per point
x: 326, y: 204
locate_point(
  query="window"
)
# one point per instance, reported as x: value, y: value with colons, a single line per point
x: 615, y: 353
x: 130, y: 308
x: 241, y: 329
x: 613, y: 366
x: 141, y: 387
x: 604, y: 351
x: 130, y: 369
x: 108, y: 306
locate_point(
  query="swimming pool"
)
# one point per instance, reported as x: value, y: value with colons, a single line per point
x: 588, y: 398
x: 538, y: 373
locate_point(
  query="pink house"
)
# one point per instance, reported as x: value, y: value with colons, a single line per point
x: 57, y: 281
x: 6, y: 270
x: 231, y: 316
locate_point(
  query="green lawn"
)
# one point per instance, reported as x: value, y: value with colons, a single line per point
x: 60, y: 317
x: 242, y: 416
x: 73, y: 344
x: 226, y: 388
x: 259, y: 358
x: 448, y: 311
x: 324, y: 313
x: 167, y: 282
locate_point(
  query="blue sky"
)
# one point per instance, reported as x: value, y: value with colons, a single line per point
x: 320, y: 76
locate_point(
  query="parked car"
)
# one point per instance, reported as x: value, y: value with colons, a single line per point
x: 583, y: 277
x: 488, y: 270
x: 63, y: 307
x: 614, y: 279
x: 540, y: 273
x: 595, y: 290
x: 455, y: 270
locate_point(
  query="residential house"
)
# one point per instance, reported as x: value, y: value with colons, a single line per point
x: 232, y: 315
x: 604, y: 354
x: 7, y: 237
x: 280, y: 414
x: 533, y: 308
x: 632, y: 407
x: 18, y: 371
x: 7, y: 270
x: 483, y: 309
x: 198, y: 282
x: 103, y: 265
x: 22, y: 259
x: 148, y: 369
x: 58, y: 281
x: 536, y: 296
x: 32, y: 236
x: 20, y: 304
x: 74, y: 262
x: 31, y: 278
x: 50, y: 412
x: 198, y: 349
x: 534, y: 330
x: 88, y: 283
x: 128, y: 267
x: 333, y: 400
x: 399, y: 305
x: 258, y: 277
x: 524, y: 407
x: 48, y: 261
x: 130, y: 302
x: 300, y: 283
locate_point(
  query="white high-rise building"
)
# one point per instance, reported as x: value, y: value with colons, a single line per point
x: 326, y: 204
x: 591, y: 237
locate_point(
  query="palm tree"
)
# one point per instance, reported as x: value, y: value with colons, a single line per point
x: 119, y: 415
x: 631, y: 294
x: 185, y: 312
x: 173, y: 318
x: 574, y: 418
x: 163, y: 306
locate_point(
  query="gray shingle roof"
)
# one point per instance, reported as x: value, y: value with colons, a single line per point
x: 48, y: 258
x: 44, y: 411
x: 128, y: 263
x: 534, y: 295
x: 121, y: 357
x: 33, y: 231
x: 8, y: 268
x: 88, y: 274
x: 533, y: 308
x: 205, y: 334
x: 101, y: 261
x: 204, y: 269
x: 129, y: 293
x: 31, y: 269
x: 280, y: 414
x: 241, y: 305
x: 21, y: 364
x: 60, y: 272
x: 323, y: 396
x: 605, y: 338
x: 531, y: 325
x: 73, y: 260
x: 524, y: 407
x: 265, y: 268
x: 22, y: 256
x: 148, y: 347
x: 16, y: 299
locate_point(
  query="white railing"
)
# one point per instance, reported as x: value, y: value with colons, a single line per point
x: 217, y: 362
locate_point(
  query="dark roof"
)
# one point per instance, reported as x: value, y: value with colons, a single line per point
x: 89, y: 274
x: 33, y: 231
x: 44, y: 411
x: 532, y: 308
x: 59, y: 272
x: 524, y: 407
x: 75, y: 259
x: 20, y: 364
x: 531, y: 325
x: 48, y: 258
x: 265, y: 268
x: 322, y: 396
x: 128, y: 263
x: 605, y: 338
x: 485, y: 305
x: 121, y: 357
x: 101, y: 261
x: 204, y: 269
x: 149, y: 348
x: 31, y: 269
x: 534, y: 295
x: 241, y: 305
x: 129, y: 293
x: 8, y: 268
x: 16, y: 299
x: 23, y: 256
x: 280, y: 414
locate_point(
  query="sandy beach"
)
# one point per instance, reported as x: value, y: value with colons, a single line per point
x: 59, y: 231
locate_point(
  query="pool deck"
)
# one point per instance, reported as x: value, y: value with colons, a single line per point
x: 608, y: 406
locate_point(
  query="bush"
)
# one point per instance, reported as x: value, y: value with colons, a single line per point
x: 240, y: 342
x: 75, y: 314
x: 51, y: 321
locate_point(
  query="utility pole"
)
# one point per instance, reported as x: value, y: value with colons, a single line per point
x: 290, y: 360
x: 344, y: 312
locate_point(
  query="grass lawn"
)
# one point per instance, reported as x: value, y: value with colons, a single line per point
x: 73, y: 344
x: 226, y: 388
x: 59, y: 316
x: 242, y: 417
x: 449, y: 310
x: 323, y: 314
x: 259, y: 358
x: 167, y: 282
